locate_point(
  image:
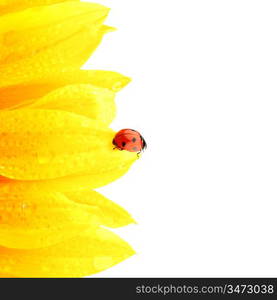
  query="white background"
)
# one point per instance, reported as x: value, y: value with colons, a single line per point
x: 204, y: 97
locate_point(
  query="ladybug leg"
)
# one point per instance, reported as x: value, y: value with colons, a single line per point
x: 138, y: 154
x: 117, y: 148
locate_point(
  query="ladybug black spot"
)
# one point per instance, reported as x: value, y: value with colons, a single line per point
x: 123, y: 144
x: 135, y: 148
x: 134, y: 140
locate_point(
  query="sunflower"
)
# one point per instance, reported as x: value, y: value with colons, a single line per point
x: 56, y: 143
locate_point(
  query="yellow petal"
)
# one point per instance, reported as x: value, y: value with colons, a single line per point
x: 16, y: 94
x: 42, y: 40
x: 106, y: 79
x: 68, y: 54
x: 110, y: 214
x: 5, y: 275
x: 84, y: 99
x: 44, y: 144
x: 35, y: 219
x: 8, y: 6
x: 30, y: 31
x: 76, y: 182
x: 91, y: 252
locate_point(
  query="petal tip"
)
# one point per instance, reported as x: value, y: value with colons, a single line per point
x: 107, y: 29
x: 119, y: 85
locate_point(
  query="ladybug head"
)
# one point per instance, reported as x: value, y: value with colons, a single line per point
x: 144, y: 145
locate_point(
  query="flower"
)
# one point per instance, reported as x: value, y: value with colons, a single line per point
x: 56, y: 143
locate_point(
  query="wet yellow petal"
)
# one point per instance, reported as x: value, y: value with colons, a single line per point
x: 110, y: 214
x: 48, y: 39
x: 91, y: 252
x: 44, y: 144
x: 16, y: 94
x: 7, y: 6
x: 84, y: 99
x: 34, y: 219
x: 30, y: 31
x: 106, y: 79
x: 66, y: 55
x: 76, y: 182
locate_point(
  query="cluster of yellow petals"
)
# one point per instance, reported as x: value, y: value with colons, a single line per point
x: 55, y: 142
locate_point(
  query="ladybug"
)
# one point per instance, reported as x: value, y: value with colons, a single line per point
x: 129, y: 140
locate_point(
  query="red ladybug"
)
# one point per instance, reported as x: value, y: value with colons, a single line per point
x: 129, y: 140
